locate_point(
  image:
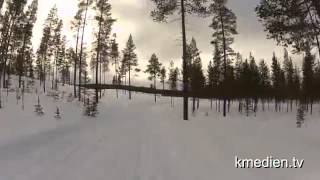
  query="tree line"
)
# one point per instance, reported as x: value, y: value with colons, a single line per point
x: 229, y: 76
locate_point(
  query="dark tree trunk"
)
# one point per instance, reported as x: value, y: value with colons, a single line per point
x: 193, y: 104
x: 184, y: 52
x: 129, y: 80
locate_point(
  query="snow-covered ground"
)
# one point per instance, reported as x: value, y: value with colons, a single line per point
x: 143, y: 140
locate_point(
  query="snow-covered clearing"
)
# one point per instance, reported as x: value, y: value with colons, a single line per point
x: 141, y: 140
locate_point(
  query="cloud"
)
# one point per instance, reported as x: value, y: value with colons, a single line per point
x: 164, y: 39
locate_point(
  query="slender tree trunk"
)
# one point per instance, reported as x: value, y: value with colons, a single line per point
x: 7, y: 45
x: 56, y: 74
x: 75, y: 65
x: 198, y: 103
x: 193, y: 104
x: 81, y: 48
x: 184, y: 55
x: 3, y: 56
x: 98, y: 58
x: 44, y: 76
x: 129, y: 81
x: 22, y: 60
x: 155, y: 88
x: 100, y: 80
x: 225, y: 65
x: 116, y: 73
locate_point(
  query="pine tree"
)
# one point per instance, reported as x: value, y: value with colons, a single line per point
x: 83, y: 8
x: 238, y: 66
x: 296, y: 82
x: 197, y: 79
x: 167, y: 8
x: 76, y: 26
x: 255, y: 77
x: 46, y: 48
x: 70, y: 57
x: 194, y: 68
x: 105, y: 22
x: 130, y: 59
x: 115, y: 56
x: 264, y: 78
x: 154, y: 69
x: 173, y: 78
x: 123, y: 70
x: 217, y: 68
x: 224, y: 25
x: 308, y: 74
x: 59, y: 48
x: 64, y: 61
x: 291, y: 22
x: 245, y: 79
x: 210, y: 76
x: 163, y: 76
x: 276, y: 75
x: 289, y: 72
x: 1, y: 4
x: 23, y: 32
x: 10, y: 22
x: 317, y: 79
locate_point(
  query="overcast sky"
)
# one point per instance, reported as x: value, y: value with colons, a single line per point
x: 133, y: 16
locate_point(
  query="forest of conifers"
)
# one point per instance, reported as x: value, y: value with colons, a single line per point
x: 293, y: 24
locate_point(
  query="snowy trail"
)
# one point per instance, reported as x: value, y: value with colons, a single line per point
x: 150, y: 142
x: 115, y: 147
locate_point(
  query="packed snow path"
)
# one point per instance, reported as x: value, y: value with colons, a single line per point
x: 141, y: 140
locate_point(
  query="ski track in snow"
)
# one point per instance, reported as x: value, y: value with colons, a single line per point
x: 141, y: 140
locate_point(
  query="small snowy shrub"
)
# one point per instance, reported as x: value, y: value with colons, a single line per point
x: 38, y: 108
x: 57, y: 114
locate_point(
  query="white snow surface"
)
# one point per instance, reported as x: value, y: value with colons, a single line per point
x: 143, y: 140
